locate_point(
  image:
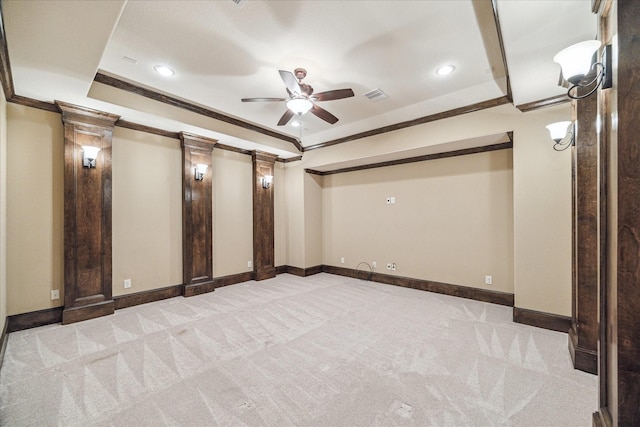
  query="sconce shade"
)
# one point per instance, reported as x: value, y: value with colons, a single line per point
x: 89, y: 155
x: 266, y: 181
x: 558, y: 130
x: 299, y: 105
x: 200, y: 170
x: 575, y: 60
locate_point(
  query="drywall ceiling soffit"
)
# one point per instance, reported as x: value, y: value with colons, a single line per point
x: 451, y: 146
x: 223, y: 52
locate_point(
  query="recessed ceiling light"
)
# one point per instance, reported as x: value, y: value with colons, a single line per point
x: 163, y: 70
x: 296, y: 123
x: 445, y: 69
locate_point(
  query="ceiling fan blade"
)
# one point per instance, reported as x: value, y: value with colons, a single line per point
x: 323, y: 114
x: 285, y: 117
x: 290, y: 81
x: 330, y: 95
x: 263, y: 99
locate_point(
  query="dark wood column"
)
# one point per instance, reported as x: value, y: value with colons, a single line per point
x: 583, y: 335
x: 263, y: 243
x: 197, y: 214
x: 620, y: 294
x: 87, y: 214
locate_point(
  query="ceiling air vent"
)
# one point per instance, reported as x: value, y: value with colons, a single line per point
x: 239, y: 2
x: 376, y: 95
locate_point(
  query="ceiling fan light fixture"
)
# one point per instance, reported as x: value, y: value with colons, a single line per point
x: 299, y: 105
x: 296, y: 123
x: 163, y: 70
x: 445, y: 70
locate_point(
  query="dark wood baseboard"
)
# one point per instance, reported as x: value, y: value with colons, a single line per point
x: 199, y: 288
x: 602, y: 418
x: 33, y: 319
x: 495, y: 297
x: 232, y: 279
x: 86, y: 312
x: 137, y: 298
x: 542, y: 320
x: 297, y: 271
x: 583, y: 359
x: 3, y: 340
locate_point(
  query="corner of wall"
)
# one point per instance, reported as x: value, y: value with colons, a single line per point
x: 3, y: 211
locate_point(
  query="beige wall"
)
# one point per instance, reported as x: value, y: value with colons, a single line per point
x: 146, y: 211
x: 35, y: 216
x: 232, y: 212
x: 541, y: 197
x: 313, y: 220
x: 3, y: 211
x: 452, y: 221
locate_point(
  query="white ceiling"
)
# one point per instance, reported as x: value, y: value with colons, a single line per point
x: 222, y: 52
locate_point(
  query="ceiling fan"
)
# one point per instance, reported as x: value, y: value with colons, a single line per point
x: 302, y: 99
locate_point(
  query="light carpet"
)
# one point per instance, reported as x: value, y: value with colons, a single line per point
x: 318, y: 351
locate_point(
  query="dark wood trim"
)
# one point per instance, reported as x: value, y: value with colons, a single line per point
x: 421, y: 120
x: 543, y: 103
x: 595, y: 6
x: 234, y: 149
x: 436, y: 156
x: 6, y: 79
x: 144, y: 297
x: 34, y: 103
x: 297, y: 271
x: 583, y: 359
x: 263, y: 217
x: 197, y: 214
x: 147, y: 129
x: 496, y: 20
x: 90, y: 311
x: 290, y: 159
x: 539, y: 319
x: 34, y: 319
x: 175, y: 102
x: 4, y: 338
x: 232, y: 279
x: 484, y: 295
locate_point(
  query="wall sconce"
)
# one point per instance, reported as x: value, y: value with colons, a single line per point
x: 562, y: 134
x: 577, y: 67
x: 266, y: 181
x: 89, y: 155
x: 199, y: 171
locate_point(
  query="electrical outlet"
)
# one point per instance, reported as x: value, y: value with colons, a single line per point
x: 393, y: 266
x: 341, y: 260
x: 488, y: 280
x: 393, y: 200
x: 373, y: 264
x: 127, y: 283
x: 55, y: 294
x: 389, y: 266
x: 249, y: 264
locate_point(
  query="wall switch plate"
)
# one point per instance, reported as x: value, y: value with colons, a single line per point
x: 341, y: 260
x: 127, y: 283
x: 389, y: 266
x: 55, y: 294
x: 248, y: 264
x: 373, y: 264
x: 488, y: 280
x: 393, y: 200
x: 393, y: 266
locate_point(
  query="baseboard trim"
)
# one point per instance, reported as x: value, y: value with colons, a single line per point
x: 232, y: 279
x: 297, y: 271
x: 3, y: 340
x: 144, y: 297
x: 495, y: 297
x: 34, y: 319
x: 86, y: 312
x: 583, y: 359
x: 539, y: 319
